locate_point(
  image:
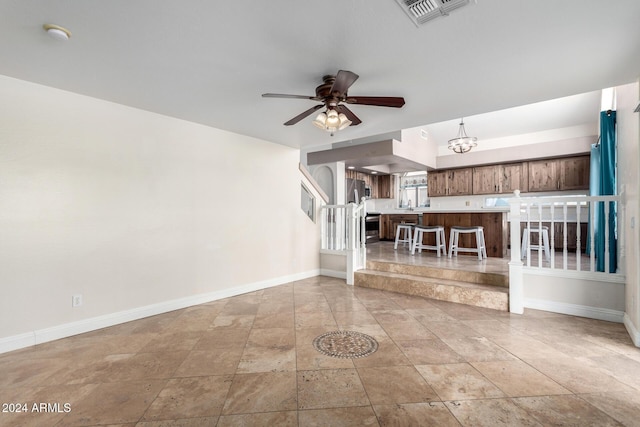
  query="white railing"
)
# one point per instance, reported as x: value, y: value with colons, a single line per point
x: 342, y: 230
x: 571, y: 221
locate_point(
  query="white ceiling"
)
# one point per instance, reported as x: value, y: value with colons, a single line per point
x: 566, y: 112
x: 209, y: 61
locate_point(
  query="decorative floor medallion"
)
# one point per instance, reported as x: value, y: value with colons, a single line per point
x: 345, y: 344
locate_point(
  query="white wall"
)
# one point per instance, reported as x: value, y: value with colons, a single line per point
x: 427, y: 148
x: 131, y: 209
x: 585, y: 297
x: 333, y: 265
x: 628, y: 127
x: 534, y: 149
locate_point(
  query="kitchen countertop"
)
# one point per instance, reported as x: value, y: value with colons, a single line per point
x: 504, y: 209
x: 442, y: 210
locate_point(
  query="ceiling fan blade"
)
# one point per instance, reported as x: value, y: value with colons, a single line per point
x: 380, y: 101
x: 283, y: 95
x: 355, y: 121
x: 301, y: 116
x: 344, y: 80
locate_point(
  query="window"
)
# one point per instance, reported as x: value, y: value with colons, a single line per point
x: 413, y: 190
x: 308, y: 202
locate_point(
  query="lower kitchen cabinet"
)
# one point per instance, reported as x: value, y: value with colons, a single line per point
x: 494, y: 223
x: 558, y: 236
x: 389, y: 222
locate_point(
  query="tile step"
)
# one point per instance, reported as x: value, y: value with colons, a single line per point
x: 476, y: 277
x: 479, y: 295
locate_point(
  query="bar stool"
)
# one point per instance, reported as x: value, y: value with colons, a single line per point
x: 406, y: 229
x: 440, y: 239
x: 480, y: 248
x: 543, y: 233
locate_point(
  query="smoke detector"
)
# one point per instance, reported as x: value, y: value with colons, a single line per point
x: 423, y: 11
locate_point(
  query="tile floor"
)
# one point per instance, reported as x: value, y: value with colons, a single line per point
x: 249, y: 361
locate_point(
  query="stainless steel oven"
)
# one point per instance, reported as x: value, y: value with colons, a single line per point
x: 372, y: 227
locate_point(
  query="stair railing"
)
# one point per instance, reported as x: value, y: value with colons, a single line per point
x: 342, y: 229
x: 559, y: 214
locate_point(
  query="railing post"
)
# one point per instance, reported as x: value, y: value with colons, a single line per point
x: 516, y: 275
x: 323, y: 228
x: 351, y: 242
x: 362, y: 248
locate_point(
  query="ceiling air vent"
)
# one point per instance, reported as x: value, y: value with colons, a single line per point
x: 423, y: 11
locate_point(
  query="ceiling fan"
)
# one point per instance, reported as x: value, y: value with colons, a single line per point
x: 333, y: 93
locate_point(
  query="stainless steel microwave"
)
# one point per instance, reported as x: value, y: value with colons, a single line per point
x: 367, y: 192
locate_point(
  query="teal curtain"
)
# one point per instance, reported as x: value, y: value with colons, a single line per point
x: 606, y: 186
x: 594, y: 186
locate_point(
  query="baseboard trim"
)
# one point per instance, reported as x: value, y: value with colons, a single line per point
x: 333, y: 273
x: 65, y: 330
x: 634, y: 333
x: 16, y: 342
x: 576, y: 310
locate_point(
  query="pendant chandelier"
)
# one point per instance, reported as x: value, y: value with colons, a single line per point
x: 331, y: 121
x: 462, y: 143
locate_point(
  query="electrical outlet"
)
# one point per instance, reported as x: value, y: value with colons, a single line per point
x: 76, y: 300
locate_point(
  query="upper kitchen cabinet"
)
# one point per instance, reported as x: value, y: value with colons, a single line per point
x: 574, y: 173
x: 437, y: 183
x: 543, y: 175
x: 514, y: 177
x: 456, y: 182
x: 497, y: 179
x: 460, y: 182
x: 571, y: 173
x: 386, y: 186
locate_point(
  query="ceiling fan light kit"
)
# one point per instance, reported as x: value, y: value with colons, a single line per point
x: 320, y: 121
x: 462, y: 143
x: 57, y: 32
x: 332, y: 93
x: 332, y: 121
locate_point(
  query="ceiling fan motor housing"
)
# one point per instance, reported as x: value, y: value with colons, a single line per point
x: 324, y: 91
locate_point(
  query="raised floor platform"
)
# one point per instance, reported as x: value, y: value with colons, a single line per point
x: 462, y: 279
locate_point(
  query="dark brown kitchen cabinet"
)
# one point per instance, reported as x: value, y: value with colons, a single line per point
x: 574, y: 173
x: 455, y: 182
x: 514, y: 177
x: 460, y: 182
x: 500, y: 179
x: 494, y: 223
x: 437, y: 183
x: 543, y: 175
x: 557, y: 235
x: 386, y: 186
x: 570, y: 173
x: 388, y: 224
x: 486, y: 179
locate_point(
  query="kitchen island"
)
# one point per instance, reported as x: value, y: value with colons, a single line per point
x: 494, y: 221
